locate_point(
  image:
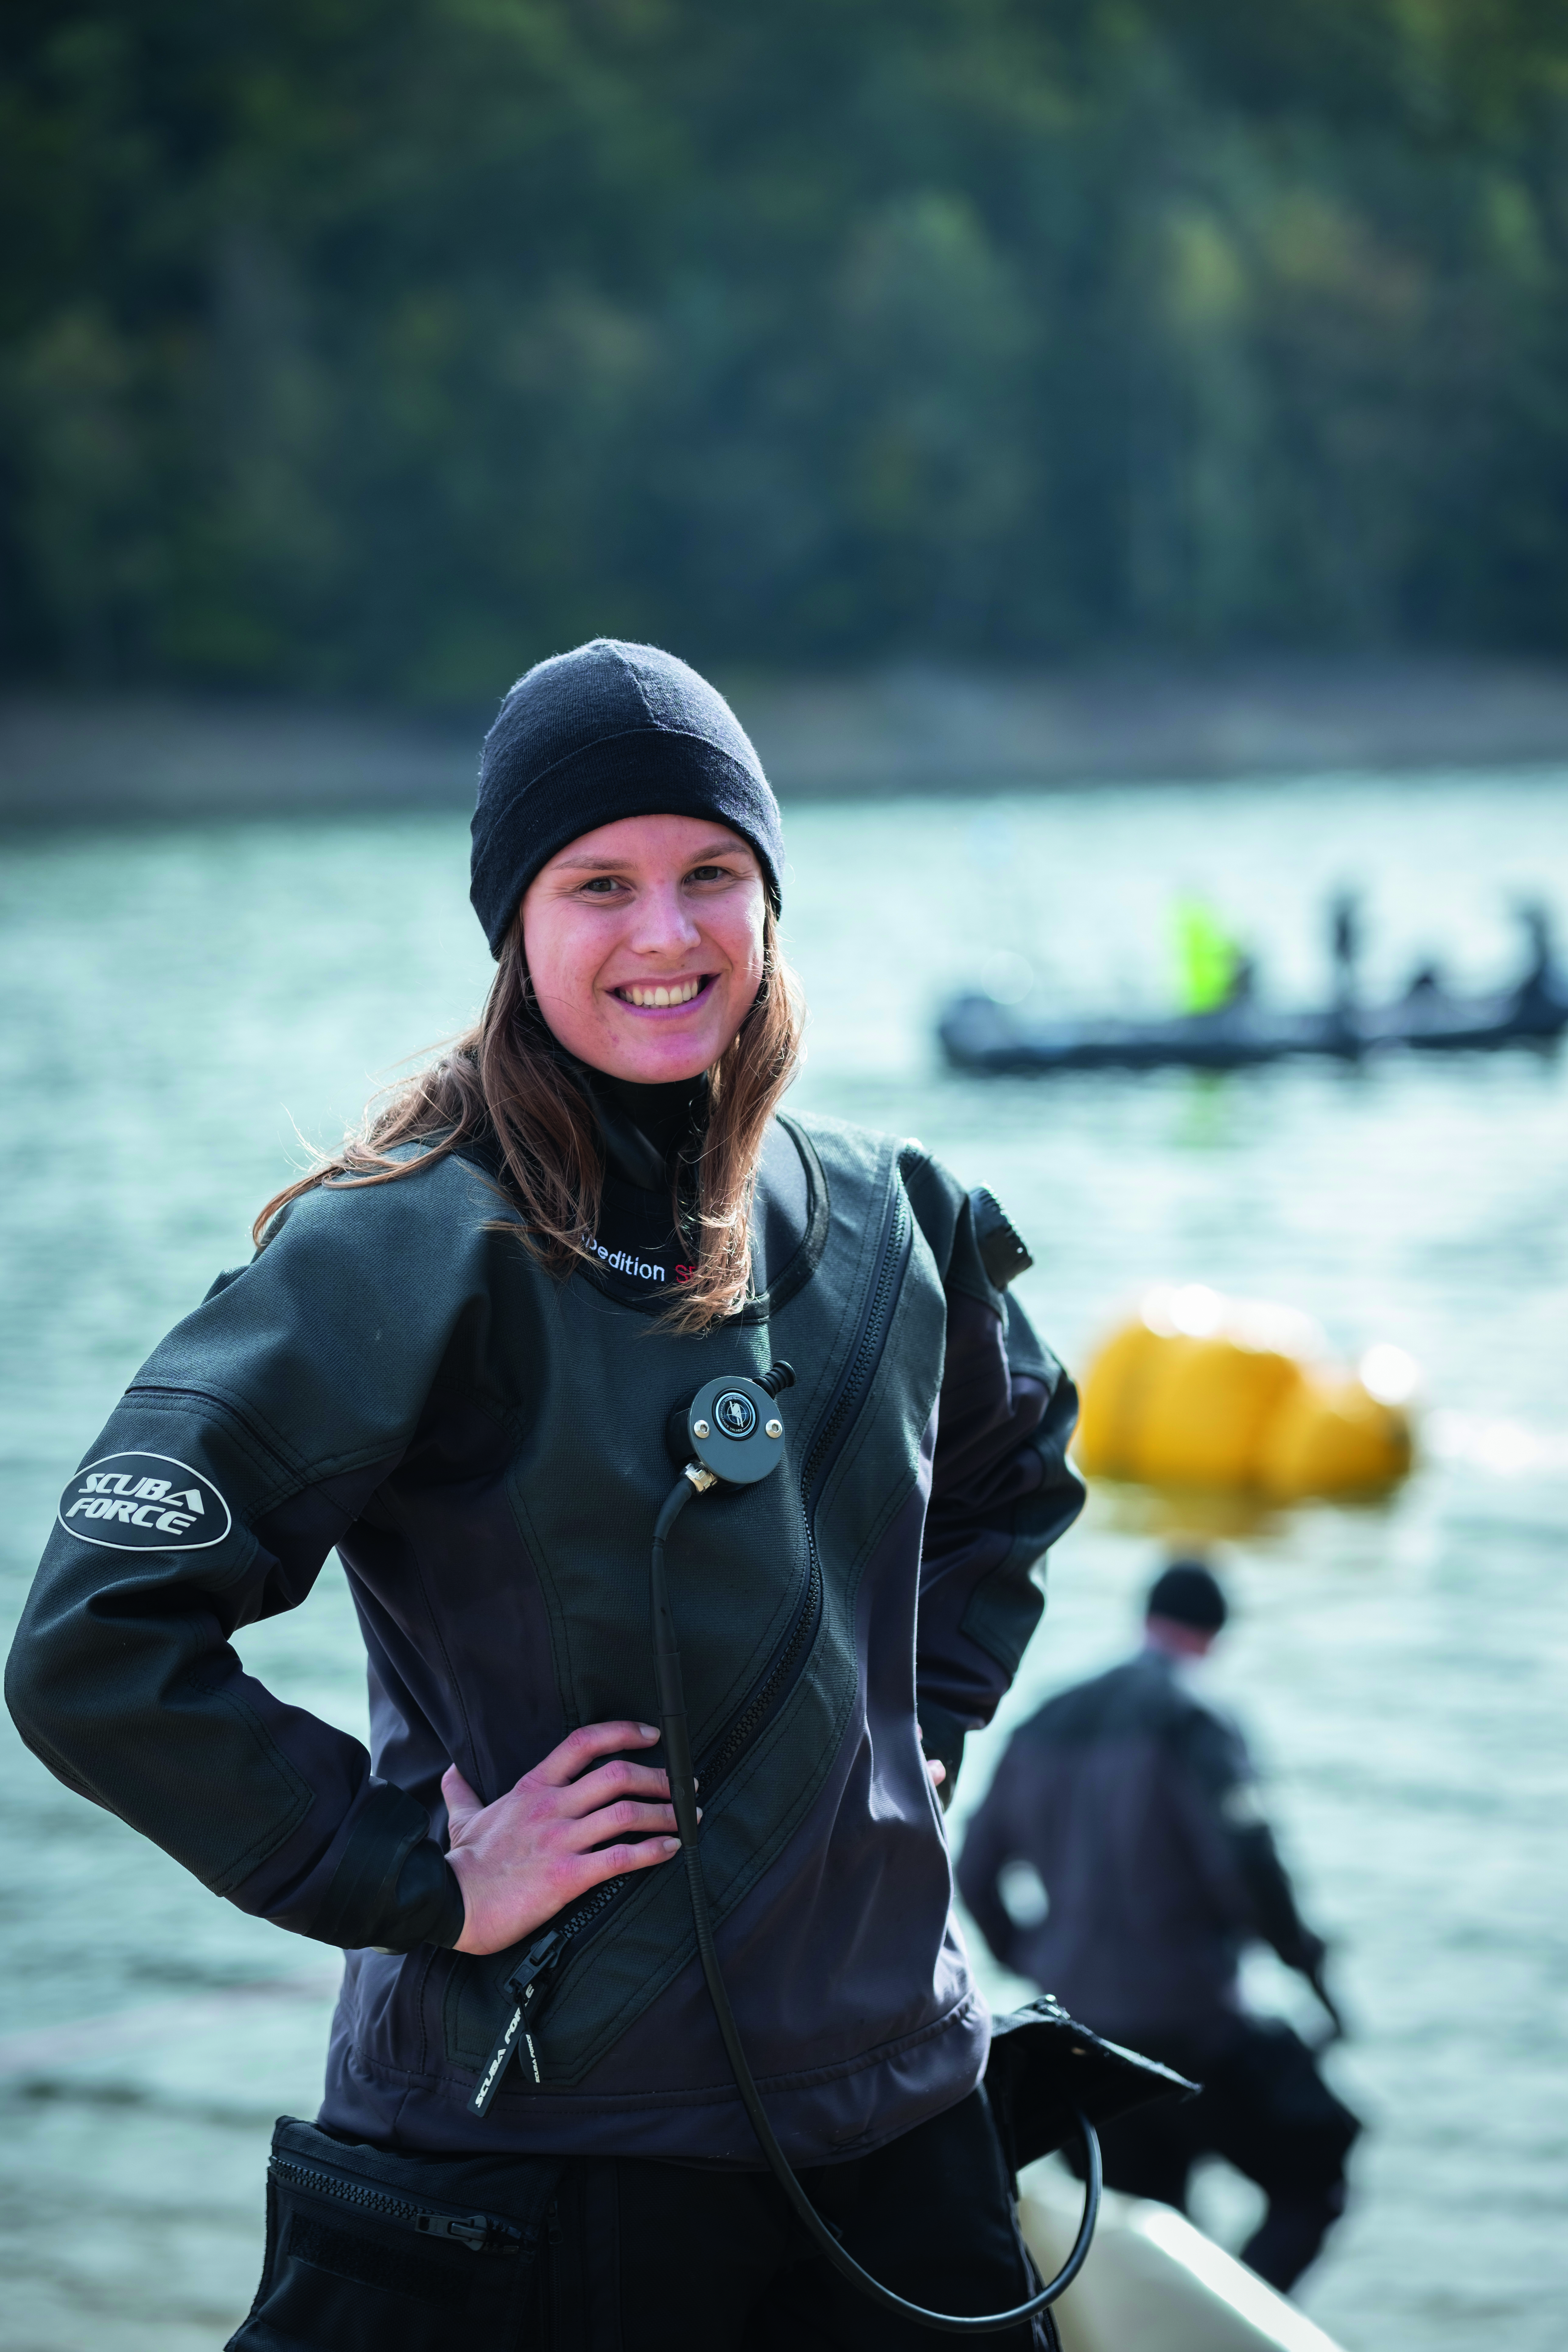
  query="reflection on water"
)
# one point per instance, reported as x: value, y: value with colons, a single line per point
x: 177, y: 1002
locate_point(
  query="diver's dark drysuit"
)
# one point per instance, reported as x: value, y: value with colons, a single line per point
x: 1138, y: 1808
x: 395, y: 1375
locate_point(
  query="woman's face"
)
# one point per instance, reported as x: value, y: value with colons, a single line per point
x: 644, y: 941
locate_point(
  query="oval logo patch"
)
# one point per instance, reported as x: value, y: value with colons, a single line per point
x: 144, y: 1502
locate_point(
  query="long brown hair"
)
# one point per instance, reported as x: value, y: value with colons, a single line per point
x: 502, y: 1078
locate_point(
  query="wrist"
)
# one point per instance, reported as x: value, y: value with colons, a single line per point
x: 431, y: 1908
x: 392, y: 1890
x: 462, y: 1863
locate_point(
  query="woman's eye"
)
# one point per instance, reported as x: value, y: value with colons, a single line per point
x: 709, y: 874
x: 602, y: 885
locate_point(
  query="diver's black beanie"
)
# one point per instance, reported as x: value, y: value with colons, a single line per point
x: 1189, y: 1593
x: 609, y: 732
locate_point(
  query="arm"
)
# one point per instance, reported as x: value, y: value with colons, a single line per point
x: 279, y: 1406
x: 1266, y: 1907
x: 256, y: 1435
x: 1273, y: 1900
x: 1001, y: 1491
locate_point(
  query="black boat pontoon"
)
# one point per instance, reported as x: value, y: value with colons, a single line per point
x: 978, y: 1034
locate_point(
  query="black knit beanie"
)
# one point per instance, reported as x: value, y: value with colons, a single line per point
x: 609, y: 732
x: 1190, y: 1594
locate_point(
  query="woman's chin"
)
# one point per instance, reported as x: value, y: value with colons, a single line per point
x: 651, y: 1055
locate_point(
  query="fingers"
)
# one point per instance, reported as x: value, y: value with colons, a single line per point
x: 611, y: 1860
x: 584, y: 1746
x: 619, y: 1778
x: 622, y: 1820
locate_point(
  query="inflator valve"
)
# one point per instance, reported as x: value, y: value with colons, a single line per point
x: 731, y: 1431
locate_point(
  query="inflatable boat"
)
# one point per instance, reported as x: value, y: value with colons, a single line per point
x: 980, y: 1035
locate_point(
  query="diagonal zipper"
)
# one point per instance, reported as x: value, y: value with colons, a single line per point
x: 824, y: 1452
x: 533, y: 1981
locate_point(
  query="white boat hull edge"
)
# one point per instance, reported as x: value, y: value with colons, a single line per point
x: 1152, y: 2282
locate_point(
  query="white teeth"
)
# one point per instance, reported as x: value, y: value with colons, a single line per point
x: 682, y: 993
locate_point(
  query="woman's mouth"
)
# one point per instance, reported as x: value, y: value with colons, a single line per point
x: 657, y: 996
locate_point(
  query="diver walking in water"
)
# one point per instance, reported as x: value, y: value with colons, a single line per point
x: 461, y: 1355
x: 1137, y: 1806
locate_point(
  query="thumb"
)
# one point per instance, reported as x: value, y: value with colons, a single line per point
x: 462, y: 1803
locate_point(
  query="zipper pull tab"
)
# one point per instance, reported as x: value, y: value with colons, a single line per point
x: 485, y: 2090
x: 522, y: 1986
x: 478, y: 2232
x: 540, y: 1955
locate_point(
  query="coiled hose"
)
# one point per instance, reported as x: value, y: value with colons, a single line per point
x: 683, y: 1797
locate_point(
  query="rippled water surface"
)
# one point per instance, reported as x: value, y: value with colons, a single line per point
x: 178, y: 1002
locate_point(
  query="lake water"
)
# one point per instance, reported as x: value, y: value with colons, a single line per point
x: 180, y: 1004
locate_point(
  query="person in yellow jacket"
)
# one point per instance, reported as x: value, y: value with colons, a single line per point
x: 1213, y: 970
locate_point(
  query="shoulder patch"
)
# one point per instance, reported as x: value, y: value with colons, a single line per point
x: 143, y: 1502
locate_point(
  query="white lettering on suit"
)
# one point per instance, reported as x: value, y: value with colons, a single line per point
x: 130, y: 1502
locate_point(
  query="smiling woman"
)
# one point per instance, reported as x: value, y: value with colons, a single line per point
x: 640, y: 954
x: 647, y: 945
x: 462, y: 1355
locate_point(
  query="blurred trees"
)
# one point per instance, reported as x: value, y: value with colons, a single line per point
x: 385, y: 344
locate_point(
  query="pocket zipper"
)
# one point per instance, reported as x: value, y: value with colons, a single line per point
x: 481, y: 2233
x: 545, y: 1954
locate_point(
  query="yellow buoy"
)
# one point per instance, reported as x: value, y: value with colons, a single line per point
x: 1332, y: 1437
x: 1202, y: 1390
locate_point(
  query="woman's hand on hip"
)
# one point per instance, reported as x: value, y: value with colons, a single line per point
x: 568, y: 1825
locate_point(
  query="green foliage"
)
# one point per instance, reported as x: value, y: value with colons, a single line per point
x: 384, y: 344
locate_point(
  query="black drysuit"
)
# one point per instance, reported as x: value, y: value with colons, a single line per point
x: 486, y: 1447
x: 1138, y: 1808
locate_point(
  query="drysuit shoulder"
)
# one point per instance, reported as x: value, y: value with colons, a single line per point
x: 328, y: 1340
x: 972, y: 1239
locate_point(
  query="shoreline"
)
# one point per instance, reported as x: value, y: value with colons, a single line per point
x: 913, y: 728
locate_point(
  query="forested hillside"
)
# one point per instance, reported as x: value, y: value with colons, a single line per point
x: 380, y: 345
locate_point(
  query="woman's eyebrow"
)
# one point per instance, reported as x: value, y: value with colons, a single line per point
x: 590, y: 864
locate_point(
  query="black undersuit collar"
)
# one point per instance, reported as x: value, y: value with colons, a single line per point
x: 643, y: 1128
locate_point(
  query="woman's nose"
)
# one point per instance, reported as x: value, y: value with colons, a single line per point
x: 664, y: 922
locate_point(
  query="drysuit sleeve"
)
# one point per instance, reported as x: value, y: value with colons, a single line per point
x: 245, y: 1447
x: 1263, y: 1901
x: 1001, y: 1489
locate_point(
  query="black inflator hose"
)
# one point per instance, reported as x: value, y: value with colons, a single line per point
x: 683, y: 1797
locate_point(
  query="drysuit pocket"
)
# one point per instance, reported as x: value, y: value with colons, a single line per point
x: 368, y: 2251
